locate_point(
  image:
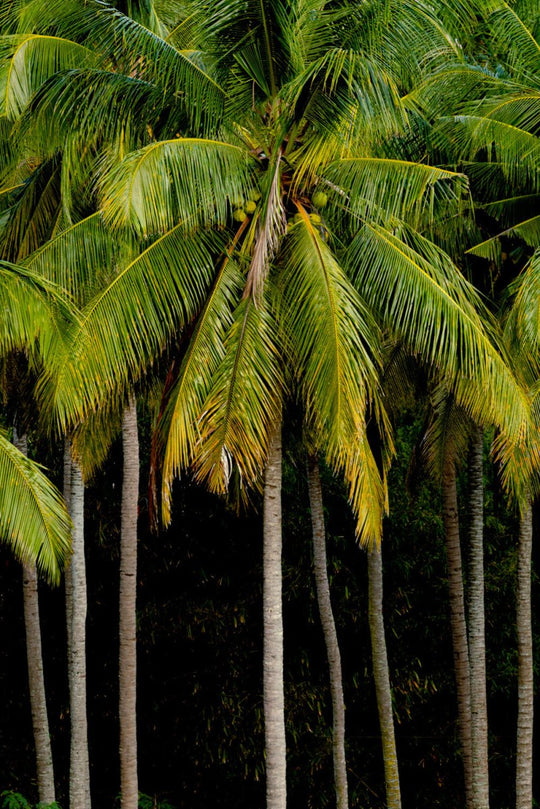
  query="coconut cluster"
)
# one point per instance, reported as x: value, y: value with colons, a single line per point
x: 242, y: 208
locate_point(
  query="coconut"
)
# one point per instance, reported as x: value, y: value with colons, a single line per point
x: 319, y: 199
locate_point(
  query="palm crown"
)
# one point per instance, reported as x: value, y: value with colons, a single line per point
x: 256, y: 165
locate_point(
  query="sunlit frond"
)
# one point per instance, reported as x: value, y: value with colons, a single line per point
x: 187, y: 180
x: 79, y: 259
x: 403, y: 189
x: 26, y: 61
x: 178, y: 431
x: 333, y: 341
x: 243, y: 402
x: 128, y: 324
x: 421, y: 296
x: 33, y: 517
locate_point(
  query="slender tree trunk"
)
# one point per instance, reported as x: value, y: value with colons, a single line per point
x: 274, y: 703
x: 36, y: 680
x: 76, y: 608
x: 129, y: 787
x: 457, y: 623
x: 382, y: 679
x: 329, y: 631
x: 477, y: 642
x: 524, y: 753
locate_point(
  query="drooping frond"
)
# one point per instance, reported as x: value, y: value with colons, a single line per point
x: 402, y: 189
x: 187, y: 180
x: 78, y: 103
x: 79, y: 259
x: 27, y: 61
x: 34, y: 312
x: 178, y: 431
x: 514, y: 39
x: 134, y: 50
x: 128, y: 324
x: 421, y: 296
x: 515, y: 150
x: 332, y: 340
x: 367, y: 488
x: 523, y: 322
x: 448, y: 433
x: 33, y: 517
x: 243, y: 402
x: 529, y: 231
x: 34, y: 209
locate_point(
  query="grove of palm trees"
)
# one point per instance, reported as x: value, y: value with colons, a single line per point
x: 269, y: 450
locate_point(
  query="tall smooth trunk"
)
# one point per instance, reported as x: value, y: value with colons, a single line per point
x: 524, y: 752
x: 457, y: 623
x: 274, y: 702
x: 477, y: 643
x: 129, y: 787
x: 329, y: 632
x: 36, y: 679
x: 382, y: 679
x: 76, y: 609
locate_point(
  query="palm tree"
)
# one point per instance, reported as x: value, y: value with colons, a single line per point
x: 495, y: 133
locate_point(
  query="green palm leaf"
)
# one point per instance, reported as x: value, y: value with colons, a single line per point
x: 331, y: 337
x: 179, y: 431
x: 402, y: 189
x: 421, y: 296
x: 26, y: 61
x: 128, y: 324
x: 243, y: 401
x: 33, y: 517
x: 187, y: 180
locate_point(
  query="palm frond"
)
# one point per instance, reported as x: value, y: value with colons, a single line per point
x: 187, y: 180
x: 515, y: 150
x: 243, y: 401
x: 402, y: 189
x: 332, y: 340
x: 128, y: 324
x: 268, y: 237
x: 529, y: 231
x: 178, y: 430
x: 448, y: 433
x: 27, y: 61
x: 116, y: 37
x: 421, y: 296
x: 514, y: 39
x: 79, y: 259
x: 33, y: 517
x: 33, y: 213
x: 523, y: 323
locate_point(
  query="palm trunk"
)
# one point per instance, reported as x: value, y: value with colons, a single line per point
x: 382, y: 679
x: 457, y: 623
x: 274, y: 703
x: 477, y: 643
x: 36, y: 680
x: 330, y: 634
x: 129, y: 787
x: 524, y: 752
x: 76, y: 608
